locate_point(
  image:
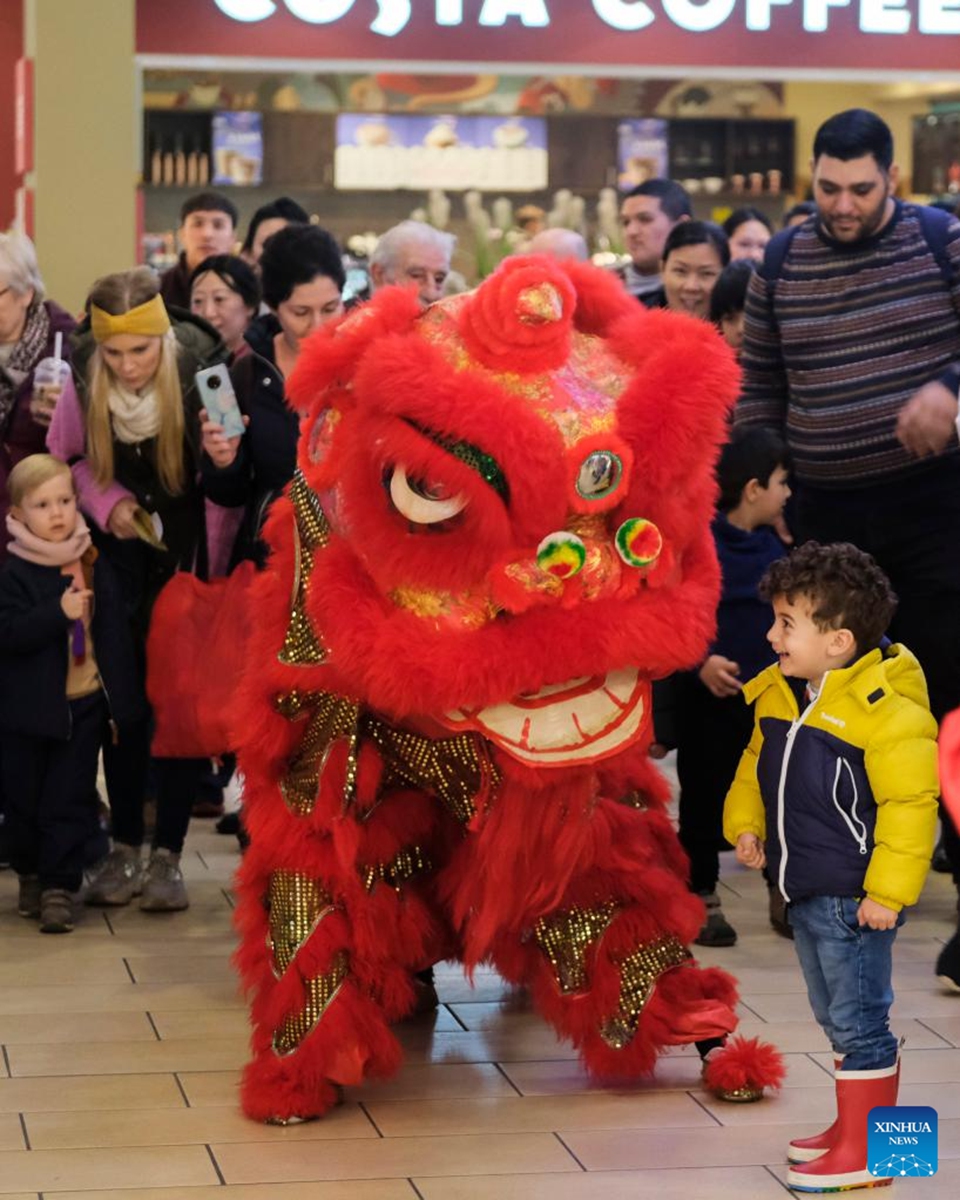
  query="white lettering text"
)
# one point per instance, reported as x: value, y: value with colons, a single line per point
x: 247, y: 10
x: 698, y: 16
x: 758, y: 12
x: 939, y: 16
x: 626, y: 15
x: 449, y: 12
x: 531, y: 12
x: 319, y: 12
x: 933, y: 17
x: 884, y: 16
x: 816, y: 13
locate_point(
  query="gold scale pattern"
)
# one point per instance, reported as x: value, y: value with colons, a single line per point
x: 639, y: 973
x: 564, y: 939
x: 410, y: 862
x: 301, y: 645
x: 456, y: 769
x: 297, y: 905
x: 329, y: 718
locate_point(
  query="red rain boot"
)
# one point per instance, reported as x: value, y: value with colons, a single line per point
x: 801, y: 1150
x: 844, y: 1166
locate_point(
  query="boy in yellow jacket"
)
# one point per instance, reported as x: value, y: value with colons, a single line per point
x: 837, y: 795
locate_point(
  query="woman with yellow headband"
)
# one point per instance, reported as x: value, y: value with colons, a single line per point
x: 131, y: 432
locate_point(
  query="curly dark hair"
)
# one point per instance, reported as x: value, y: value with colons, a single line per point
x: 845, y: 587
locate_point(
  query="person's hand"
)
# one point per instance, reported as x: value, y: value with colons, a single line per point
x: 44, y: 401
x: 719, y: 676
x: 782, y: 530
x: 76, y: 603
x: 222, y: 451
x: 928, y: 419
x: 876, y: 915
x: 120, y: 522
x: 749, y: 851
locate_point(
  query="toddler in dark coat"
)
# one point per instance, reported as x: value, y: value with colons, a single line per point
x: 67, y: 676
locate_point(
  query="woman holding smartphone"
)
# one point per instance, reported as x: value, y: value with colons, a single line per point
x: 302, y: 276
x: 131, y: 432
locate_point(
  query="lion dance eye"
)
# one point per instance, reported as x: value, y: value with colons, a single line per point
x: 423, y: 503
x: 561, y: 555
x: 639, y: 542
x: 599, y: 475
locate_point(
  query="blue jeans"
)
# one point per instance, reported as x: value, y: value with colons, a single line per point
x: 847, y: 970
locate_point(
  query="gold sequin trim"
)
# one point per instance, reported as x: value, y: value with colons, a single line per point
x: 456, y: 769
x: 320, y: 992
x: 410, y: 862
x: 301, y: 645
x: 564, y: 939
x: 330, y: 718
x: 297, y: 905
x: 296, y: 704
x: 639, y: 973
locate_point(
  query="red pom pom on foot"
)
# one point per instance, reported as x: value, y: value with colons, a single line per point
x: 740, y: 1070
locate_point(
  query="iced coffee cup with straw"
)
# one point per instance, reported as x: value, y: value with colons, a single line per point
x: 49, y: 376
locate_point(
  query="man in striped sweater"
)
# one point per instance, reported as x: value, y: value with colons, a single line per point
x: 852, y: 352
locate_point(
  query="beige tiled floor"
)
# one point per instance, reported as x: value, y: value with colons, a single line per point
x: 122, y: 1046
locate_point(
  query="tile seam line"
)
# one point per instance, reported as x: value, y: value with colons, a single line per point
x: 570, y: 1152
x: 216, y: 1166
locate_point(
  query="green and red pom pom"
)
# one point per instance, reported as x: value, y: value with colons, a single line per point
x: 639, y: 542
x: 561, y: 555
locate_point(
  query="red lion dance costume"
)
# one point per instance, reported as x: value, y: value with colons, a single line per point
x: 497, y: 536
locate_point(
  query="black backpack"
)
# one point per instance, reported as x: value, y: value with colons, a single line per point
x: 934, y: 222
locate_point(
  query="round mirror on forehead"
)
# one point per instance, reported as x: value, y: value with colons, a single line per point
x: 599, y: 474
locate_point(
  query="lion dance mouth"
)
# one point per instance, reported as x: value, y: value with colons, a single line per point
x: 581, y: 721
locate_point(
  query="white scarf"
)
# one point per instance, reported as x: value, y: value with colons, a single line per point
x: 134, y: 418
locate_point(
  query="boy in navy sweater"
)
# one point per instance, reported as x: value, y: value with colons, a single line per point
x: 713, y: 723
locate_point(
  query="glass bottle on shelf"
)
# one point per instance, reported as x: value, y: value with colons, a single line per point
x: 179, y: 163
x: 192, y: 166
x: 155, y: 174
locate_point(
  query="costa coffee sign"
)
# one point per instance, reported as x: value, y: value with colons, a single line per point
x: 795, y: 36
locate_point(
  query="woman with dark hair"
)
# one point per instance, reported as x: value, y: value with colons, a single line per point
x: 268, y: 220
x: 748, y: 230
x: 225, y: 291
x: 694, y: 254
x: 302, y: 276
x: 728, y: 301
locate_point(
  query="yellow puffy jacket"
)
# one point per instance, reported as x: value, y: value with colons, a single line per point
x: 844, y: 793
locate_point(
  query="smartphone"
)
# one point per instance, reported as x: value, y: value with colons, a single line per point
x: 220, y: 400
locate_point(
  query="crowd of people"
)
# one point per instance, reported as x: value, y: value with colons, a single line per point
x: 846, y: 322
